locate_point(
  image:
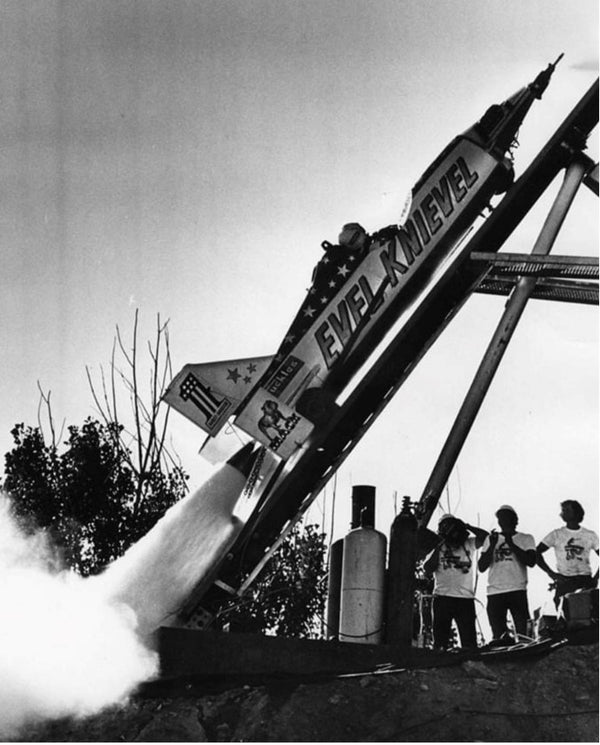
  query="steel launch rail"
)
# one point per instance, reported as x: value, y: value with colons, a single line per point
x: 294, y: 484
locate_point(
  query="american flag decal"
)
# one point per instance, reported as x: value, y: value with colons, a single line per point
x: 329, y: 275
x: 193, y: 390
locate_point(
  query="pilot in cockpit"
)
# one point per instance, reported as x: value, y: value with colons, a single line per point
x: 353, y: 240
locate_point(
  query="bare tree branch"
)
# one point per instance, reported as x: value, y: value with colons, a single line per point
x: 148, y: 435
x: 45, y: 398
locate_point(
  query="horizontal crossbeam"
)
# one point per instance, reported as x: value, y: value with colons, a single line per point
x: 585, y: 293
x: 521, y: 265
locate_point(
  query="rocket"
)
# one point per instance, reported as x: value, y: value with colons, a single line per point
x: 157, y: 574
x: 335, y: 370
x: 361, y: 288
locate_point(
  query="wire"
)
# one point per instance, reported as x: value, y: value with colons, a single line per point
x: 477, y: 621
x: 456, y: 470
x: 362, y: 636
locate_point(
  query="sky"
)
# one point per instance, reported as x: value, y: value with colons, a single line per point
x: 188, y: 158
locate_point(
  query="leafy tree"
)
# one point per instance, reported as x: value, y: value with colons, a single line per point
x: 85, y: 496
x: 105, y: 486
x: 289, y: 597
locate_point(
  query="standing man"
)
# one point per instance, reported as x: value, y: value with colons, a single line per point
x: 507, y: 555
x: 572, y: 545
x: 452, y: 565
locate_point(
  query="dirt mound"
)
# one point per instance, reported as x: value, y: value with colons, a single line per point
x: 547, y: 698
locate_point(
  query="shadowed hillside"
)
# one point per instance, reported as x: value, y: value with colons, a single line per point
x: 540, y: 699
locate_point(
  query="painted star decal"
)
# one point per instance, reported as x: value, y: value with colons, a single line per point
x: 233, y: 374
x: 251, y: 367
x: 343, y: 271
x: 247, y: 379
x: 309, y: 312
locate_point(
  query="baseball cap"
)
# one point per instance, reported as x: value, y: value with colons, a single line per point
x: 506, y: 507
x: 446, y: 516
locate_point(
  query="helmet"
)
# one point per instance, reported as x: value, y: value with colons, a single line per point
x: 353, y: 236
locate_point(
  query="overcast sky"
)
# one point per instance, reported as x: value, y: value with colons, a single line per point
x: 188, y: 158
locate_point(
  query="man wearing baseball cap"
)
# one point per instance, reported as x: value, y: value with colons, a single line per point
x: 507, y: 555
x: 452, y: 565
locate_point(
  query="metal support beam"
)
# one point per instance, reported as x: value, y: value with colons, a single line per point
x: 518, y: 265
x: 591, y: 180
x: 515, y: 306
x: 556, y: 290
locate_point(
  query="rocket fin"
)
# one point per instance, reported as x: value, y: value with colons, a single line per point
x: 223, y: 445
x: 209, y: 393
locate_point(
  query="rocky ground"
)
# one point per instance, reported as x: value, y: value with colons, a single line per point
x: 548, y: 698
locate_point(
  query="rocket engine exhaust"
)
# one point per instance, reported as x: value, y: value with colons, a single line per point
x: 71, y: 646
x: 64, y: 650
x: 156, y: 575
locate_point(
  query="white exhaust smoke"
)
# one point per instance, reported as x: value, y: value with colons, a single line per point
x: 157, y: 574
x: 70, y: 646
x: 64, y: 650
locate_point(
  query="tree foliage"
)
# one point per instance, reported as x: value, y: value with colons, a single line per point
x: 289, y: 597
x: 105, y: 486
x: 84, y: 494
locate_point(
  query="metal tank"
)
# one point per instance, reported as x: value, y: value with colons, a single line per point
x: 334, y: 589
x: 363, y: 587
x: 363, y: 574
x: 401, y: 577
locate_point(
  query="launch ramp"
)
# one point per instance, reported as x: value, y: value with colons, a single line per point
x: 296, y: 483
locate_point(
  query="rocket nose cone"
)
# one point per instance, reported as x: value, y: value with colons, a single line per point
x: 540, y: 84
x: 244, y: 458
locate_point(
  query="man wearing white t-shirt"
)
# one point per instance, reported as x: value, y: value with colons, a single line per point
x: 452, y: 564
x: 572, y: 546
x: 507, y: 555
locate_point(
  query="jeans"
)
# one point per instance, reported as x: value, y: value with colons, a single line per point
x: 447, y: 609
x: 498, y: 606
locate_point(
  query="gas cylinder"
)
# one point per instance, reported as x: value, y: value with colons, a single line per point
x: 363, y: 586
x: 334, y: 588
x: 401, y: 583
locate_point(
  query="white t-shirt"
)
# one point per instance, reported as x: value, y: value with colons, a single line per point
x: 572, y: 549
x: 506, y: 573
x: 454, y: 576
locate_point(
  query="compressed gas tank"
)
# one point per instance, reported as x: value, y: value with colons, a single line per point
x: 363, y: 586
x: 334, y: 588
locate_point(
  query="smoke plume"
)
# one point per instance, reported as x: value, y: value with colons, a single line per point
x: 157, y: 574
x: 65, y: 650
